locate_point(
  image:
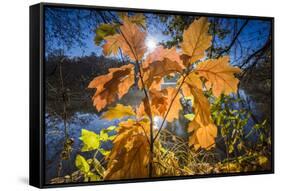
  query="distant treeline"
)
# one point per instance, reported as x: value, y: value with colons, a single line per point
x: 67, y: 80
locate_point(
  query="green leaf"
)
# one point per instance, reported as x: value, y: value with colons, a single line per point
x: 189, y: 116
x: 81, y: 164
x: 104, y: 30
x: 231, y: 148
x: 111, y: 128
x: 93, y: 177
x: 90, y: 139
x: 103, y: 135
x: 104, y: 152
x: 111, y: 137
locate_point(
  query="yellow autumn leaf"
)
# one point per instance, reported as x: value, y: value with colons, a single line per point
x: 196, y: 39
x: 119, y: 111
x: 112, y: 86
x: 219, y: 75
x: 129, y: 157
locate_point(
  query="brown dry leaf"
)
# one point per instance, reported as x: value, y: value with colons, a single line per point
x: 129, y: 157
x: 112, y: 86
x: 196, y: 39
x: 131, y: 40
x: 219, y: 75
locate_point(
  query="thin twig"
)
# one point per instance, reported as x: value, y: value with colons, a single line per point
x: 233, y: 40
x: 150, y: 115
x: 170, y: 106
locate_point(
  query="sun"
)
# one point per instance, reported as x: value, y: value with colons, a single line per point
x: 151, y: 44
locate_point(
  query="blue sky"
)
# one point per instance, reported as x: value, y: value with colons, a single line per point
x: 253, y: 36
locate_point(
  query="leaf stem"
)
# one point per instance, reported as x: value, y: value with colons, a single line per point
x: 170, y: 106
x: 151, y: 143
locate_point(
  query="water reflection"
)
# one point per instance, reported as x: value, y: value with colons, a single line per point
x: 55, y: 135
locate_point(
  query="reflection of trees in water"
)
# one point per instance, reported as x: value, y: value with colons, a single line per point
x: 257, y: 81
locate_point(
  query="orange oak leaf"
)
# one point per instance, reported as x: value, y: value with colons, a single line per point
x: 160, y: 63
x: 131, y: 40
x: 219, y: 75
x: 112, y: 86
x: 160, y: 102
x: 137, y: 18
x: 201, y: 107
x: 203, y: 131
x: 176, y: 106
x: 160, y: 53
x: 129, y: 156
x: 192, y: 80
x: 196, y: 39
x: 202, y: 136
x: 158, y: 105
x: 146, y: 105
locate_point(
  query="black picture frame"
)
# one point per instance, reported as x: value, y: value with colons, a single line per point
x: 37, y: 99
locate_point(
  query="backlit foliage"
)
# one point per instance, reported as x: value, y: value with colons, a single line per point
x: 139, y: 145
x: 131, y: 146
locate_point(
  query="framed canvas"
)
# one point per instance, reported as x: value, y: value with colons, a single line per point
x: 126, y: 95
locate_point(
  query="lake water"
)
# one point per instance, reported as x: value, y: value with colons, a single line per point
x: 91, y: 121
